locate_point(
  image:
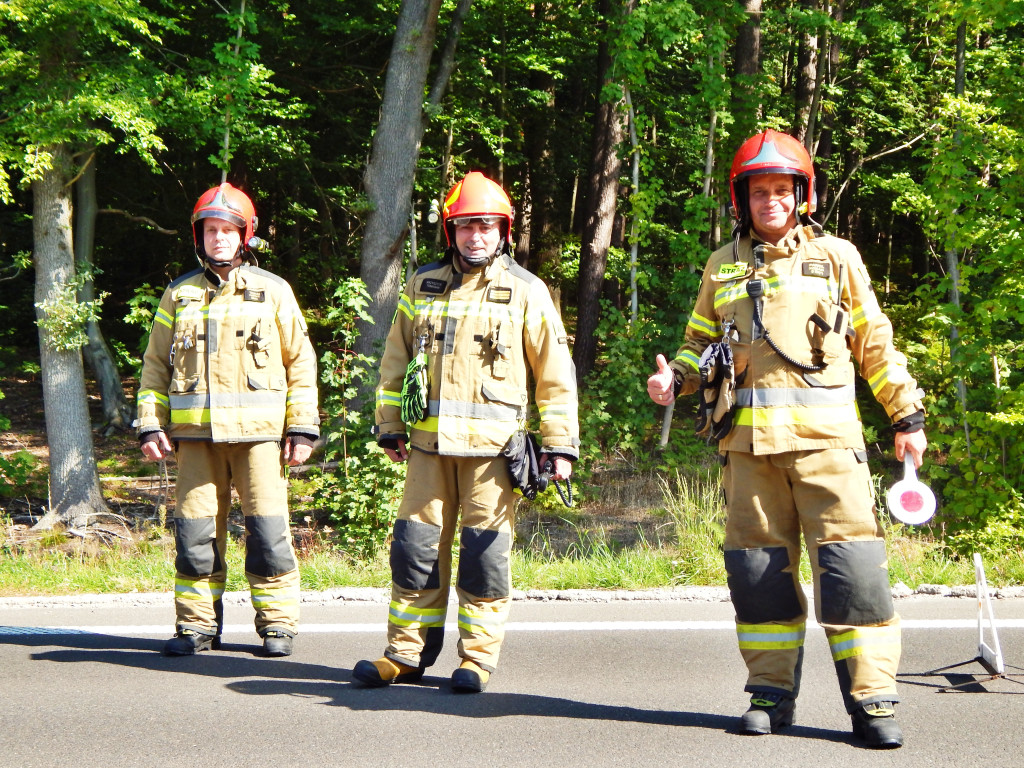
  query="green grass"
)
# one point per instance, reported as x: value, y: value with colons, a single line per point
x: 687, y: 553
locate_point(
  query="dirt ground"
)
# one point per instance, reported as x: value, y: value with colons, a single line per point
x: 620, y: 510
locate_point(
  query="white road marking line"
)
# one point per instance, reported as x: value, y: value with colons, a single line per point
x: 512, y: 626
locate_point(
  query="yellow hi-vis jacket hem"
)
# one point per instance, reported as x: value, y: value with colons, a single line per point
x: 485, y: 332
x: 818, y: 306
x: 229, y: 362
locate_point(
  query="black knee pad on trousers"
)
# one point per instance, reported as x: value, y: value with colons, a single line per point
x: 483, y: 563
x: 195, y: 540
x: 267, y: 547
x: 414, y: 555
x: 855, y: 583
x: 761, y: 590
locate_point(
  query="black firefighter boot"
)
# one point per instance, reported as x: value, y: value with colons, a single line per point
x: 277, y: 642
x: 187, y: 642
x: 875, y: 724
x: 768, y: 713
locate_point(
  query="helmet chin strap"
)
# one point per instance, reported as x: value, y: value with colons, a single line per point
x: 479, y: 261
x: 222, y: 264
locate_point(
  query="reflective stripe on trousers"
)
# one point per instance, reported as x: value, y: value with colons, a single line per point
x: 206, y: 473
x: 825, y: 495
x: 437, y: 490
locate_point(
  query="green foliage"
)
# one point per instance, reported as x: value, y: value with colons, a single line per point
x: 361, y: 496
x: 65, y: 319
x: 615, y: 412
x: 141, y: 311
x: 21, y: 473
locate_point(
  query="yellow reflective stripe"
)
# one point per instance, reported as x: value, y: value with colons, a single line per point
x: 690, y: 358
x: 191, y: 312
x: 281, y: 597
x: 300, y: 396
x: 861, y: 640
x: 437, y: 310
x: 729, y: 294
x: 865, y: 312
x: 289, y: 311
x: 803, y: 415
x: 428, y: 424
x: 404, y: 306
x: 878, y: 381
x: 198, y: 590
x: 388, y: 397
x: 706, y: 326
x: 776, y: 284
x: 163, y: 317
x: 151, y: 396
x: 190, y: 416
x: 771, y: 636
x: 403, y: 615
x: 556, y: 411
x: 486, y: 619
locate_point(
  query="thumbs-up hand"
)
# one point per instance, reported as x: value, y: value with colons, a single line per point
x: 661, y: 383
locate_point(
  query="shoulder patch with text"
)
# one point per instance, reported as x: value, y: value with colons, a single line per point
x: 732, y: 271
x: 499, y: 295
x: 820, y: 269
x: 433, y: 285
x: 188, y: 293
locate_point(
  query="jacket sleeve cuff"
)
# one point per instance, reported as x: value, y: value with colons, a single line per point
x: 912, y: 423
x: 908, y: 409
x: 150, y: 436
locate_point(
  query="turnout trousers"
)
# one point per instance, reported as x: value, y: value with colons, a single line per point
x: 436, y: 489
x: 206, y: 472
x: 827, y: 495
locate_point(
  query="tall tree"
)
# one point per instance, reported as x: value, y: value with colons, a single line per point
x: 392, y: 166
x: 73, y: 74
x: 602, y: 191
x: 117, y: 411
x: 74, y: 484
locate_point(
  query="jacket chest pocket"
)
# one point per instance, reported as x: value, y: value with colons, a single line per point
x: 498, y: 347
x: 188, y: 354
x: 256, y: 339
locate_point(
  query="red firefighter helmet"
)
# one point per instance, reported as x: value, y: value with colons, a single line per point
x: 228, y: 203
x: 771, y: 152
x: 475, y: 195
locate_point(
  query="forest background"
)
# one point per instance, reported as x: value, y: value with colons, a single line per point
x: 612, y: 124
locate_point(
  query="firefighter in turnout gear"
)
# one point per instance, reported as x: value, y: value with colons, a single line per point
x: 795, y: 308
x: 469, y: 332
x: 229, y: 385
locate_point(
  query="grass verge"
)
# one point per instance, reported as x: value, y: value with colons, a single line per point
x: 687, y: 552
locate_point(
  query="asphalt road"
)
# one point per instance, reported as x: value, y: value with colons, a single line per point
x: 616, y: 683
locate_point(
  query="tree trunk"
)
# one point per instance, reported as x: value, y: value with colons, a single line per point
x: 117, y: 411
x: 746, y: 95
x: 823, y: 156
x: 806, y: 77
x: 74, y: 483
x: 952, y: 258
x: 603, y: 185
x: 391, y: 169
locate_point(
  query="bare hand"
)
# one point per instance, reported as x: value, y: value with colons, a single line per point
x: 296, y: 453
x: 562, y: 466
x: 399, y: 455
x: 661, y: 384
x: 915, y: 442
x: 158, y: 449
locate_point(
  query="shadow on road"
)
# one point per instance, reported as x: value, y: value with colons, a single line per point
x: 253, y: 676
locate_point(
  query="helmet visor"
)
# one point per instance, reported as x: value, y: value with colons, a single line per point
x: 465, y: 221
